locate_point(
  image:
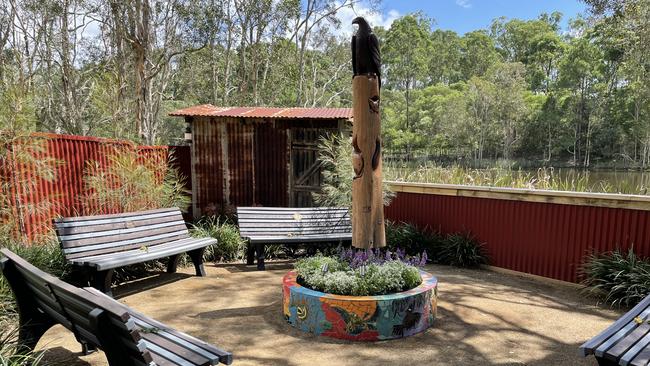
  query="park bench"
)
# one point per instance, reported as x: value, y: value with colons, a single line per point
x: 97, y: 321
x: 281, y: 225
x: 99, y: 244
x: 626, y: 341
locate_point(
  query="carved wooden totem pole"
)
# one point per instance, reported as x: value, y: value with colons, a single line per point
x: 367, y: 200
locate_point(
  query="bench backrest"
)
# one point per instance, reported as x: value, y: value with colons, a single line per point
x: 102, y: 322
x: 85, y: 236
x: 293, y: 222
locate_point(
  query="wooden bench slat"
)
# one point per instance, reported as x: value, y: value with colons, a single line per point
x: 117, y: 233
x: 291, y: 219
x: 121, y: 225
x: 45, y: 298
x: 293, y: 225
x: 194, y: 358
x: 284, y: 225
x: 161, y: 360
x: 186, y: 340
x: 291, y: 215
x: 590, y: 346
x: 116, y: 249
x: 615, y: 352
x: 176, y: 244
x: 119, y: 215
x: 300, y: 238
x: 622, y: 332
x: 159, y: 251
x: 261, y: 220
x: 312, y: 229
x: 642, y: 359
x: 120, y: 238
x: 635, y: 350
x: 108, y: 221
x: 112, y: 251
x: 141, y: 241
x: 301, y: 209
x: 141, y: 321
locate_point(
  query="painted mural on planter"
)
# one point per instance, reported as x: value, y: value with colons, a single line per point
x: 361, y: 318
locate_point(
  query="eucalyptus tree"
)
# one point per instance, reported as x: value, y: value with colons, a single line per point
x: 406, y: 51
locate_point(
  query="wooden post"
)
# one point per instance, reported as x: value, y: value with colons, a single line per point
x: 367, y: 200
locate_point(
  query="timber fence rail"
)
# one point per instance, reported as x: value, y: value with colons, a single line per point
x: 544, y: 233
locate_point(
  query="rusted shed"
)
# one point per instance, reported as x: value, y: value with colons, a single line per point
x: 244, y: 156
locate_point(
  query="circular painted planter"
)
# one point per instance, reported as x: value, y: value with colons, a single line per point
x: 360, y: 318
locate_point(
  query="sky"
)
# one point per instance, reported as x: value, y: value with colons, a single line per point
x: 467, y: 15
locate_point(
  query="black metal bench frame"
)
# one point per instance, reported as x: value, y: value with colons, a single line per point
x: 281, y: 225
x: 626, y: 341
x: 127, y: 337
x: 97, y: 245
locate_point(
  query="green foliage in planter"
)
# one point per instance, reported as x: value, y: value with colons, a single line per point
x: 622, y: 278
x: 461, y: 250
x: 339, y: 278
x: 230, y: 246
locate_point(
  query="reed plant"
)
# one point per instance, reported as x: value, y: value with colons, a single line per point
x: 546, y: 178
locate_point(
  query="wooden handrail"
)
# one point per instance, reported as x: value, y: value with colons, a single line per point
x: 629, y: 201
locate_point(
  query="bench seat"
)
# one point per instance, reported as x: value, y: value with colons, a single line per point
x: 626, y: 341
x: 286, y: 225
x: 125, y: 258
x: 127, y: 337
x: 99, y: 244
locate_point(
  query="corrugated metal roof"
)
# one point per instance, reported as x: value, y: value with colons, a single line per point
x: 208, y: 110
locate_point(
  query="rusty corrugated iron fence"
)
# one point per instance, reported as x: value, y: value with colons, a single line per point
x: 238, y: 163
x: 37, y: 200
x: 541, y: 233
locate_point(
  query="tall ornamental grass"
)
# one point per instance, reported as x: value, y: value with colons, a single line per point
x: 335, y: 156
x: 131, y: 182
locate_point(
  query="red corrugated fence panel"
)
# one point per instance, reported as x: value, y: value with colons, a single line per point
x: 544, y: 239
x: 39, y: 200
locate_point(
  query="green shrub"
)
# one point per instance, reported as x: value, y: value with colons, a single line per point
x: 411, y: 239
x: 339, y: 278
x: 622, y: 278
x: 461, y: 250
x: 230, y: 246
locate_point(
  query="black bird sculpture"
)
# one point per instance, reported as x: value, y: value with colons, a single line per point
x: 365, y: 51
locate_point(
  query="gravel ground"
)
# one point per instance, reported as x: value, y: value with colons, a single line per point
x: 484, y: 318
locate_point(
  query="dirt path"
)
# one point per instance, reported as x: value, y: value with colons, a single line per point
x: 484, y: 318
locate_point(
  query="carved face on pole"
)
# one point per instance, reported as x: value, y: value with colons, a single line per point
x: 367, y: 200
